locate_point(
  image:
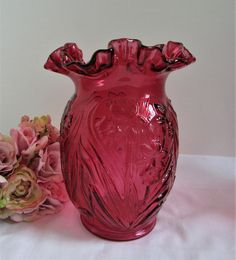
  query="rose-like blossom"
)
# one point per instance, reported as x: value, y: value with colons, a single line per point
x: 35, y: 147
x: 26, y: 122
x: 48, y: 207
x: 23, y: 136
x: 53, y: 134
x: 7, y: 154
x: 51, y: 166
x: 32, y: 135
x: 40, y: 123
x: 31, y: 183
x: 36, y: 163
x: 42, y: 126
x: 21, y: 194
x: 56, y: 189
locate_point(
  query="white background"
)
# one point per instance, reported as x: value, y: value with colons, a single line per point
x: 202, y: 94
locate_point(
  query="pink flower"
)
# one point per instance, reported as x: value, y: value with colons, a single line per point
x: 31, y: 183
x: 26, y: 122
x: 57, y: 196
x: 51, y: 162
x: 24, y: 137
x: 56, y: 190
x: 40, y: 123
x: 35, y: 147
x: 21, y: 194
x: 53, y: 134
x: 7, y: 154
x: 50, y: 206
x: 36, y: 163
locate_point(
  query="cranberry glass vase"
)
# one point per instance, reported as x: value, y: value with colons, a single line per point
x: 119, y: 134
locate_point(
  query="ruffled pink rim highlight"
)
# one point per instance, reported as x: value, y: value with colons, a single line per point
x: 128, y: 52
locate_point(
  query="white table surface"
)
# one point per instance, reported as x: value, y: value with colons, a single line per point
x: 196, y: 222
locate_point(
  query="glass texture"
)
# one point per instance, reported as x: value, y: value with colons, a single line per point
x: 119, y: 134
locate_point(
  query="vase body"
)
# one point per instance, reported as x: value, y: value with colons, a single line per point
x: 119, y: 135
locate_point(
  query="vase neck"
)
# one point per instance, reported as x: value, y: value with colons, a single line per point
x: 142, y: 83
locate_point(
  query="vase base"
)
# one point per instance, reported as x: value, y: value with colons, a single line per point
x: 118, y: 235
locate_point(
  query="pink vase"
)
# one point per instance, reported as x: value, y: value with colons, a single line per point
x: 119, y: 134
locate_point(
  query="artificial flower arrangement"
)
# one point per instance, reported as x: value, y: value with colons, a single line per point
x: 31, y: 183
